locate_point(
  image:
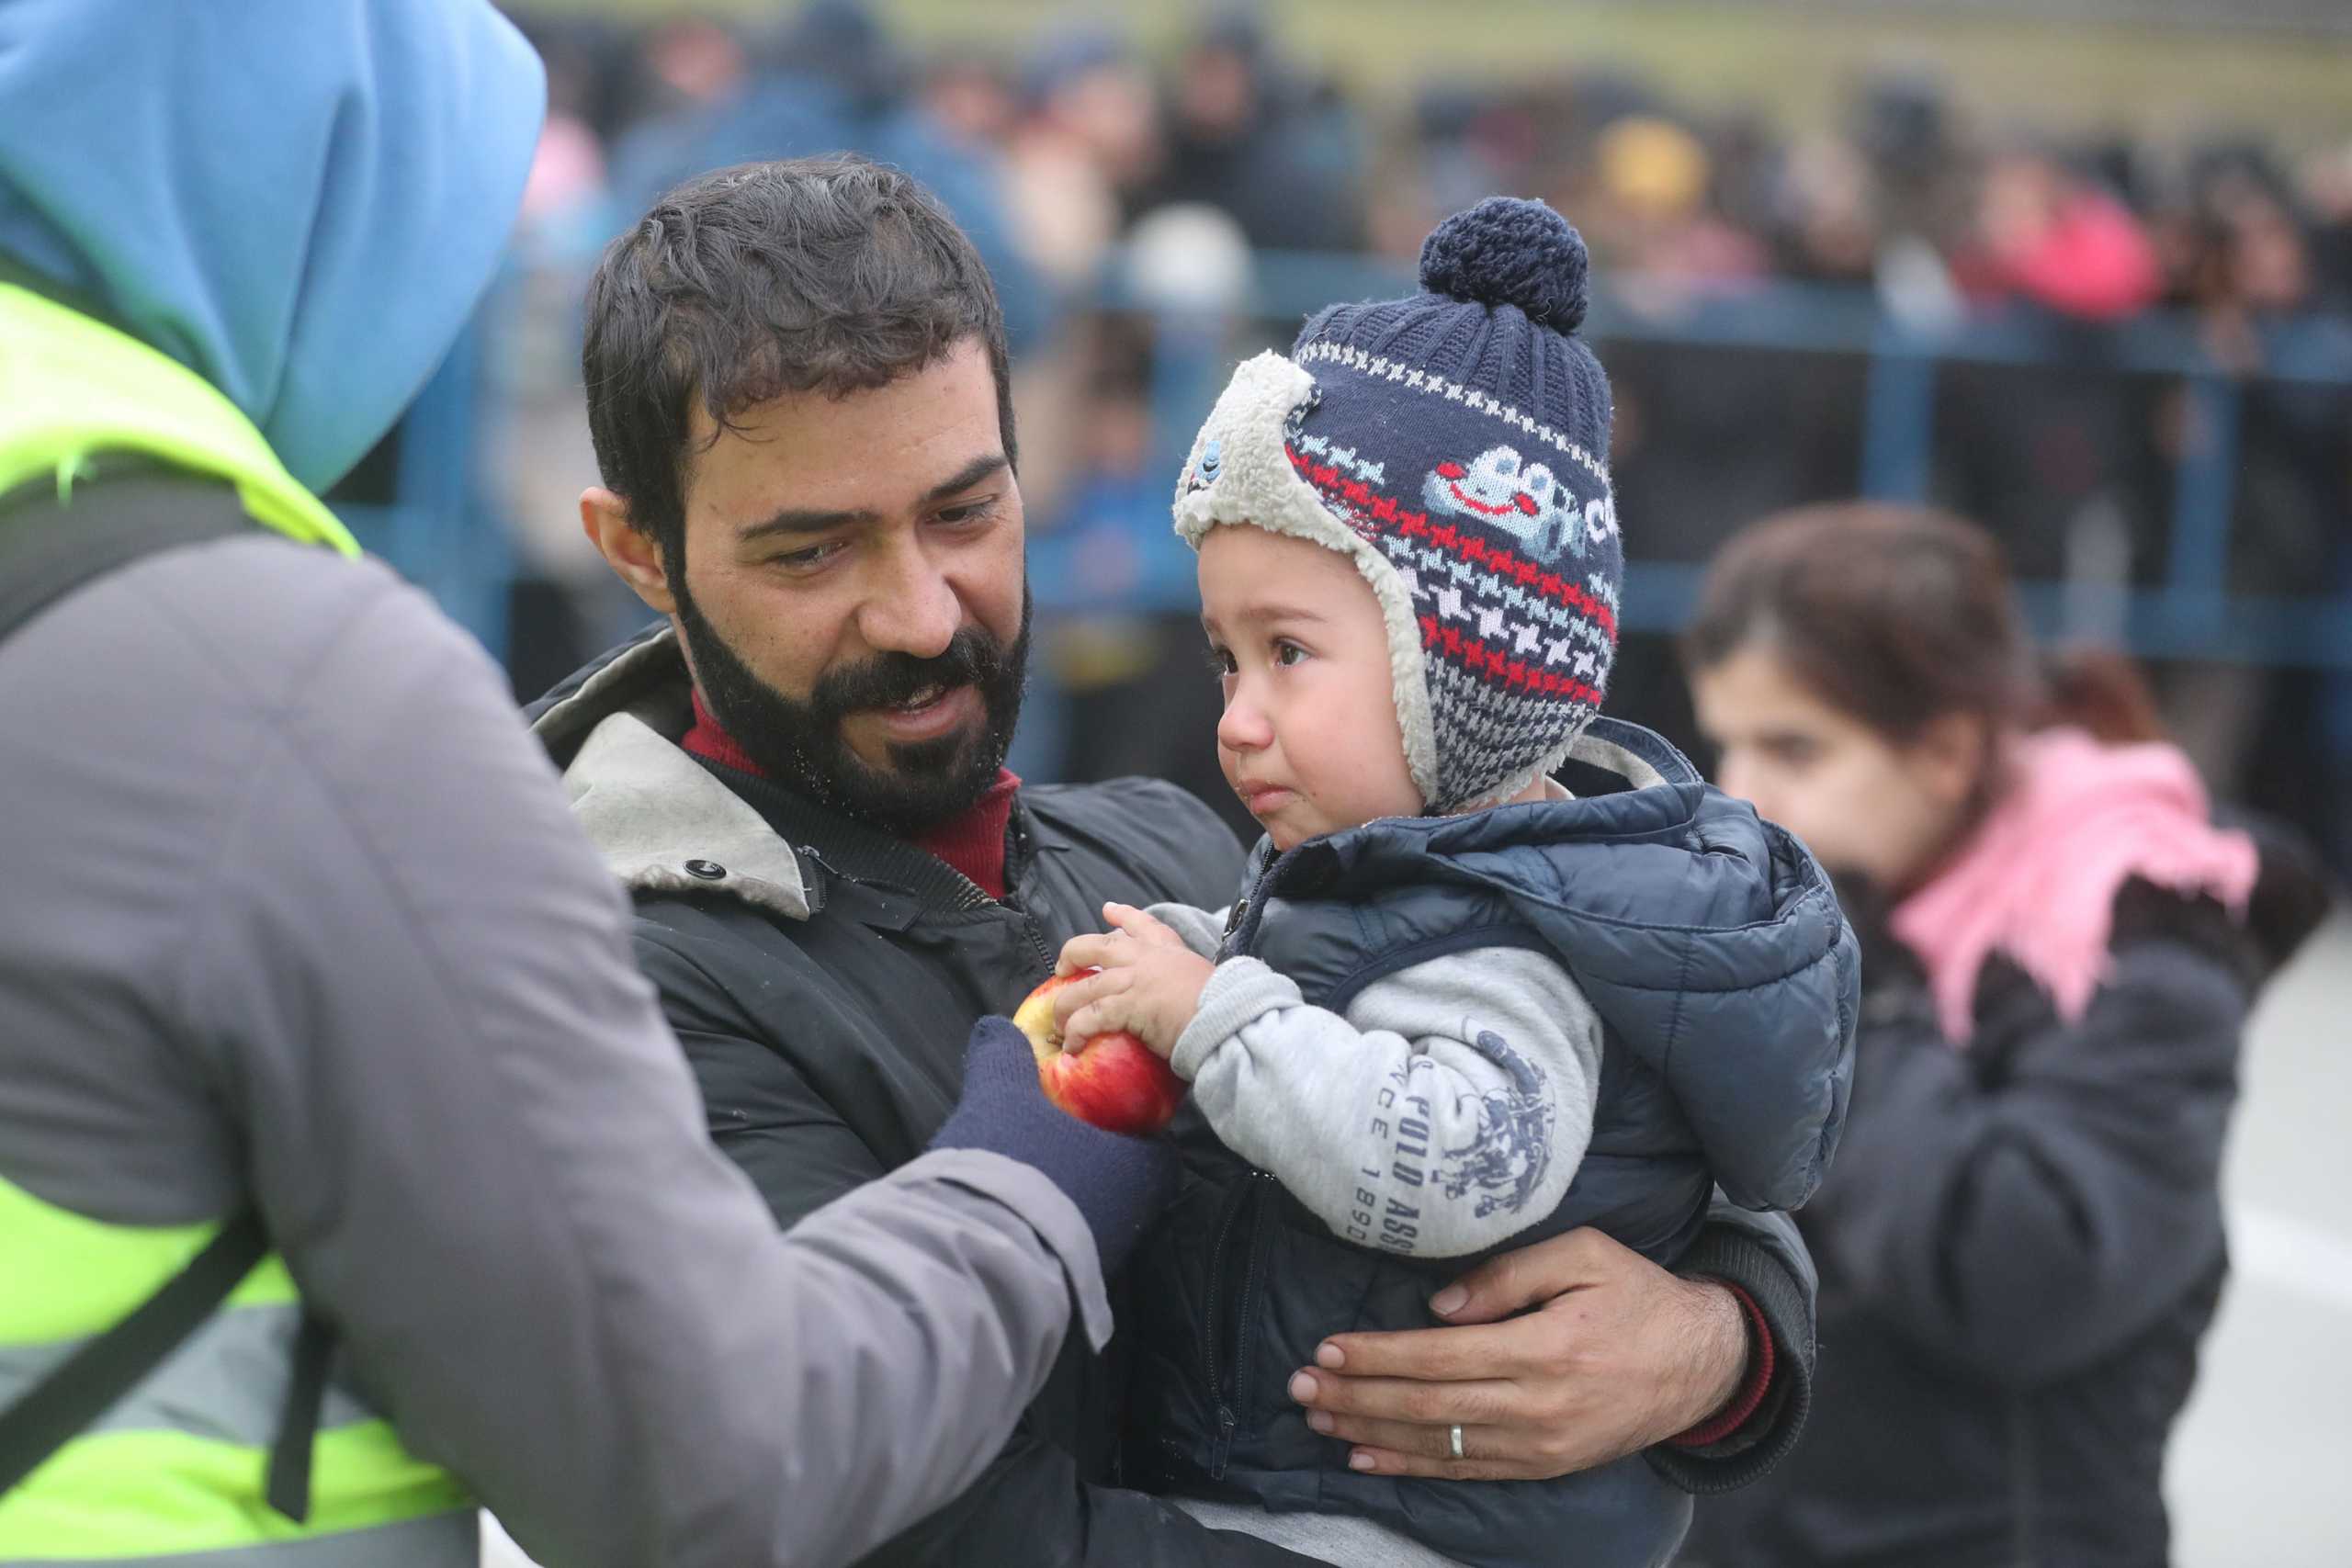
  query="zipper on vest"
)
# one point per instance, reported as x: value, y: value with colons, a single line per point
x: 1225, y: 1373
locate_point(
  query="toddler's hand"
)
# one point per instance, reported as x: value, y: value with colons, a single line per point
x: 1149, y: 982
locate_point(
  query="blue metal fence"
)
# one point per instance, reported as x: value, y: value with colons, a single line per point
x: 2190, y: 615
x: 437, y: 529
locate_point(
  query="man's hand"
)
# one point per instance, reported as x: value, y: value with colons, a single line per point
x: 1619, y: 1355
x: 1149, y: 982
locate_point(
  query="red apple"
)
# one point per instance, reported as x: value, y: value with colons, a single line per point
x: 1112, y: 1080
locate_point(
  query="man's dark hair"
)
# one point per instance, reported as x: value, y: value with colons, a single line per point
x: 747, y: 283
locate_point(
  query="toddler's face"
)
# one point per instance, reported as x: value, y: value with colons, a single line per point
x: 1309, y: 739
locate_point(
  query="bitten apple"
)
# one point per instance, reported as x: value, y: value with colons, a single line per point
x: 1112, y: 1079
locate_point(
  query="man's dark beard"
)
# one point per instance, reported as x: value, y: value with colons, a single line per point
x: 799, y: 744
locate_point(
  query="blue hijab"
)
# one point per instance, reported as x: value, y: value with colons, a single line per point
x: 299, y: 199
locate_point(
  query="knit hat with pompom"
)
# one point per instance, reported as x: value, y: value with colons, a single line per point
x: 1455, y: 444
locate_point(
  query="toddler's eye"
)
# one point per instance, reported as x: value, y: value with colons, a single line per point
x: 1220, y: 662
x: 1287, y: 652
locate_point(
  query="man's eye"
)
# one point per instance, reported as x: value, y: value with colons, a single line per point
x: 969, y: 511
x: 814, y: 556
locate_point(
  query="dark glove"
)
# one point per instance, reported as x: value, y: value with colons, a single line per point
x: 1119, y: 1183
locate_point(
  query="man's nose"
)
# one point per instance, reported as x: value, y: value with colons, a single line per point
x: 912, y: 608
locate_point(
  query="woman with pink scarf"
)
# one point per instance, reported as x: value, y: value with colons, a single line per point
x: 2021, y: 1243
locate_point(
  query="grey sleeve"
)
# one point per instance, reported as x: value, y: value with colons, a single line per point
x: 1203, y: 931
x: 1444, y: 1113
x: 481, y: 1152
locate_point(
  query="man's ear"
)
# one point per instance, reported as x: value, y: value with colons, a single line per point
x: 629, y: 551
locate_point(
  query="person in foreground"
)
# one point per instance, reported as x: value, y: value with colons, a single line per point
x: 1455, y: 1007
x: 323, y: 1066
x: 2022, y: 1243
x: 796, y: 382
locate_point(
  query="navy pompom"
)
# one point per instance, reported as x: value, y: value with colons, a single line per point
x: 1509, y: 251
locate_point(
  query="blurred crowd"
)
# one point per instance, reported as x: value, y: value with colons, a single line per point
x: 1127, y: 199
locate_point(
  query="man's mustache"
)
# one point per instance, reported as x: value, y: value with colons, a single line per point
x: 888, y: 680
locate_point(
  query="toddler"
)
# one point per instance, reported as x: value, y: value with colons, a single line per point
x: 1455, y: 1007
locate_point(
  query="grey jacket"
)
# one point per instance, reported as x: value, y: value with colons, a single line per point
x: 294, y: 908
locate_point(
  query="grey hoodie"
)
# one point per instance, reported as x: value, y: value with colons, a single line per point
x: 290, y: 906
x: 294, y: 908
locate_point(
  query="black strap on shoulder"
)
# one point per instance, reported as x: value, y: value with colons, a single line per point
x: 49, y: 548
x: 86, y: 1385
x: 306, y: 1392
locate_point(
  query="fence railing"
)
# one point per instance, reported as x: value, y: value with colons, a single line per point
x: 436, y: 528
x: 2190, y: 614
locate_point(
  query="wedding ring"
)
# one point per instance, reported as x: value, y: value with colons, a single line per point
x: 1454, y: 1438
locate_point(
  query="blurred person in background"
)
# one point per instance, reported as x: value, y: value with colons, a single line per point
x: 1090, y: 138
x: 2048, y: 232
x: 348, y: 1173
x: 1281, y: 153
x: 2021, y: 1245
x: 2248, y: 268
x: 2325, y: 176
x: 1826, y: 207
x: 1655, y: 207
x: 831, y: 79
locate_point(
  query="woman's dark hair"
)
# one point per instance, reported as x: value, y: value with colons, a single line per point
x: 747, y: 283
x: 1899, y: 615
x: 1895, y: 614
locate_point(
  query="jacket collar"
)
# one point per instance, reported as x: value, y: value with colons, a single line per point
x: 665, y: 824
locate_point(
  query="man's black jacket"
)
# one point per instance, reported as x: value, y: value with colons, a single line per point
x: 822, y: 977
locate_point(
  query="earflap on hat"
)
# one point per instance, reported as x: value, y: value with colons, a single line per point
x: 1242, y: 473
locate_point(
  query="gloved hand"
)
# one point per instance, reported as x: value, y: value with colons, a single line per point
x: 1119, y: 1183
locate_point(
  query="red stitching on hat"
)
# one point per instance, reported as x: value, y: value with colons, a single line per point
x: 1500, y: 669
x: 1470, y: 547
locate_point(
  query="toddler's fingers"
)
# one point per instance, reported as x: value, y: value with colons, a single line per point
x: 1142, y: 925
x: 1077, y: 994
x: 1100, y: 1017
x: 1096, y: 949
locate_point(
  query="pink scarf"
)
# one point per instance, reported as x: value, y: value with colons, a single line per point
x: 2038, y: 881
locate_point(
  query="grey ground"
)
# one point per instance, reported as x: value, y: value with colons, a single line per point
x: 2256, y: 1467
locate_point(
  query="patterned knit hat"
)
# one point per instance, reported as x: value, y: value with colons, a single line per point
x: 1455, y: 444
